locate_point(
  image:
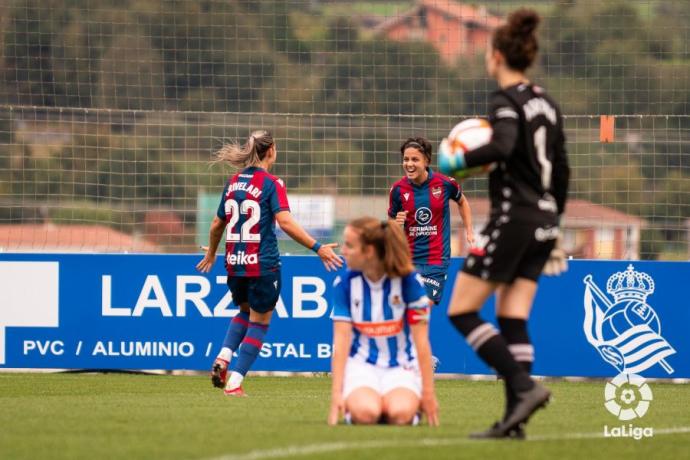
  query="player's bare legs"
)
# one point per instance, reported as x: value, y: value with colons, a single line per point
x: 469, y: 294
x: 261, y: 318
x: 515, y: 300
x: 400, y: 406
x: 364, y: 406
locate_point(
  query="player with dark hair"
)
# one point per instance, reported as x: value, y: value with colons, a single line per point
x: 381, y: 365
x: 528, y: 190
x: 251, y: 203
x: 420, y: 202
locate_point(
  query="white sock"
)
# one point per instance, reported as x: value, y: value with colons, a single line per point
x: 225, y: 354
x: 235, y: 380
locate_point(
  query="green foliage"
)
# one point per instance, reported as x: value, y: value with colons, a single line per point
x: 329, y: 167
x: 28, y: 46
x: 616, y: 182
x: 86, y: 212
x: 209, y: 45
x: 652, y: 243
x: 131, y: 76
x: 671, y: 197
x: 5, y: 136
x: 275, y: 18
x: 342, y: 34
x: 133, y: 170
x: 231, y: 56
x: 386, y: 77
x: 617, y: 51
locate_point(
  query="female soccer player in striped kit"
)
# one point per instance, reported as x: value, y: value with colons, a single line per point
x: 382, y: 357
x: 251, y: 203
x: 420, y: 202
x: 528, y: 190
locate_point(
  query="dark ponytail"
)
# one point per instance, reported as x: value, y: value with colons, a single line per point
x: 516, y: 40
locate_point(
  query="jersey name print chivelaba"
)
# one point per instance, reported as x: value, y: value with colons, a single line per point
x: 249, y: 203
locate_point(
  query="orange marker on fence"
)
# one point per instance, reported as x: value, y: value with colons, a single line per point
x: 607, y: 128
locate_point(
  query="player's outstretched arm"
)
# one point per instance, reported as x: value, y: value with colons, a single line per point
x: 466, y: 215
x: 295, y: 231
x: 420, y: 336
x: 342, y: 337
x: 215, y: 234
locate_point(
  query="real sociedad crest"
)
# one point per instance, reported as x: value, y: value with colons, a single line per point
x: 627, y: 331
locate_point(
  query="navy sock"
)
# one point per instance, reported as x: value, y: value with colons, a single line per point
x: 236, y: 331
x: 492, y: 348
x: 250, y: 347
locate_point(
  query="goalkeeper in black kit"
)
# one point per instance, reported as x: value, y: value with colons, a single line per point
x: 528, y: 188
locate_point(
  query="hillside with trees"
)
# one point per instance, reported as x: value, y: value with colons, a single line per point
x: 145, y: 90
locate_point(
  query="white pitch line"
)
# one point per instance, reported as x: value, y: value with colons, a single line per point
x: 311, y: 449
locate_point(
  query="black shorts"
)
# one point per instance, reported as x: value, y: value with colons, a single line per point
x: 506, y: 251
x: 261, y: 292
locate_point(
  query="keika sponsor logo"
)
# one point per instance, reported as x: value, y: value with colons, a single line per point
x: 242, y: 258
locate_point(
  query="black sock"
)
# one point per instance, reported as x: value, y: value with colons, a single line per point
x: 515, y: 333
x: 492, y: 348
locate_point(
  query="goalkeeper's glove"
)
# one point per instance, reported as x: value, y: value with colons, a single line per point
x: 557, y: 262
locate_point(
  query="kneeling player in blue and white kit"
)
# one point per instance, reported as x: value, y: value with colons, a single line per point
x: 382, y: 369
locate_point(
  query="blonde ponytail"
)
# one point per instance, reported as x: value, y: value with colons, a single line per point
x: 250, y: 154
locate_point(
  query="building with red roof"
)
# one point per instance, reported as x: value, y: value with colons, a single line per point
x: 454, y: 29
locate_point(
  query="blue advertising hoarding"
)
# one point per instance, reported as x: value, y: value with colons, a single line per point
x: 77, y: 311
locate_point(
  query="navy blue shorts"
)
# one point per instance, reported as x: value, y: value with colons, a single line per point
x: 261, y: 292
x: 434, y: 277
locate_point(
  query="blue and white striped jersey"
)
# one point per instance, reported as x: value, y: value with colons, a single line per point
x: 380, y: 316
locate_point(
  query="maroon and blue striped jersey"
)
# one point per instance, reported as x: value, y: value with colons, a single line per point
x: 249, y: 203
x: 428, y: 215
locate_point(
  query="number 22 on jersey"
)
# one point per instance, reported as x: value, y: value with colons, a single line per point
x: 250, y: 208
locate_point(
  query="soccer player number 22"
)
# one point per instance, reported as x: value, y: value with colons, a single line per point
x: 245, y: 235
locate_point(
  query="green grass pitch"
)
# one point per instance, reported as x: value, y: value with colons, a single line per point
x: 118, y: 416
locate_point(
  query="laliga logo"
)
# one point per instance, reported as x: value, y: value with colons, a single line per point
x: 627, y: 331
x: 423, y: 216
x: 627, y: 396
